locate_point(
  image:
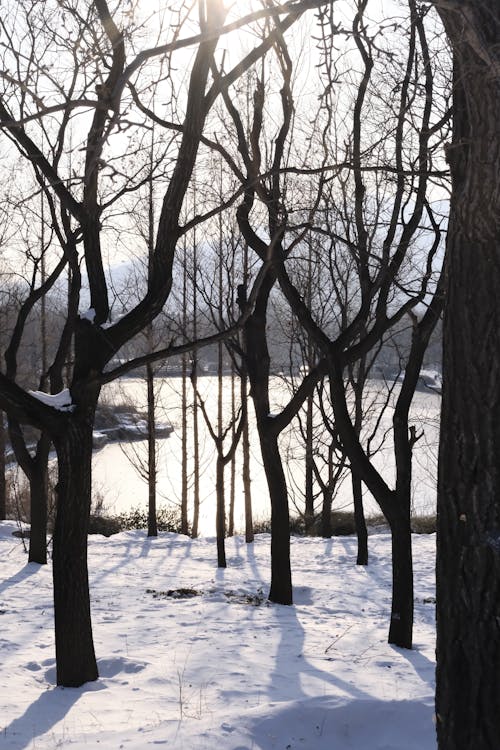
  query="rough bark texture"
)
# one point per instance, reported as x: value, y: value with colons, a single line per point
x: 75, y: 656
x: 468, y: 563
x: 401, y: 627
x: 38, y: 480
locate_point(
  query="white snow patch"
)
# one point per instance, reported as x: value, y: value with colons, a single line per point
x: 60, y: 401
x: 88, y: 315
x: 195, y: 658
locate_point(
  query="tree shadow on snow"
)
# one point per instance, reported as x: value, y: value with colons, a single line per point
x: 292, y: 666
x: 27, y: 570
x: 326, y: 722
x: 42, y: 715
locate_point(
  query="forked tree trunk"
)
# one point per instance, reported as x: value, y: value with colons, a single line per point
x: 468, y: 562
x: 75, y: 656
x: 257, y: 360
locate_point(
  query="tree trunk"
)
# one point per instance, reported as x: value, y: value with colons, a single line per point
x: 152, y: 523
x: 401, y: 627
x: 326, y: 513
x: 309, y: 475
x: 281, y: 573
x: 232, y: 474
x: 359, y: 520
x: 395, y: 505
x: 38, y: 481
x: 257, y: 361
x: 75, y: 656
x: 196, y: 450
x: 3, y: 485
x: 184, y: 452
x: 468, y: 561
x: 249, y: 534
x: 220, y: 520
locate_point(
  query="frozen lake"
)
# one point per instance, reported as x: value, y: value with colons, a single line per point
x: 122, y: 487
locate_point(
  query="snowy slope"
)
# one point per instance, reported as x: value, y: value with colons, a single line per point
x: 220, y: 669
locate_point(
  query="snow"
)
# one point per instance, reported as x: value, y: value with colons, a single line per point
x: 60, y: 401
x: 217, y: 666
x: 88, y: 315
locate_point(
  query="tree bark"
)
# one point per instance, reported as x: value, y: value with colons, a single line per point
x: 3, y: 486
x: 220, y: 520
x: 152, y: 523
x: 196, y: 447
x: 326, y: 513
x: 468, y: 558
x: 281, y: 574
x: 359, y: 519
x: 401, y: 626
x: 309, y: 471
x: 247, y: 491
x: 75, y: 656
x: 257, y: 363
x: 38, y: 481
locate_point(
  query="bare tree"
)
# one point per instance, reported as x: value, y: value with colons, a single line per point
x: 383, y: 241
x: 97, y: 78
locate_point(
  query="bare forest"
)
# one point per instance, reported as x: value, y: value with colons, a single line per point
x: 287, y: 216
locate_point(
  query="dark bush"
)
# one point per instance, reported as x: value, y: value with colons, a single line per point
x: 423, y: 524
x: 105, y: 525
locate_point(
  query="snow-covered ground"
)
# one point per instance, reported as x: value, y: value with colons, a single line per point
x: 220, y: 669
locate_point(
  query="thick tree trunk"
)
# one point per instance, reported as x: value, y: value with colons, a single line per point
x: 468, y: 562
x: 401, y: 627
x: 359, y: 520
x: 38, y: 481
x: 75, y: 656
x: 281, y: 574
